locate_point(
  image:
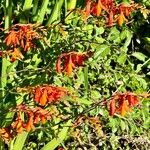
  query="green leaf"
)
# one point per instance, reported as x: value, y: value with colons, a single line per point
x: 88, y: 28
x: 113, y: 124
x: 138, y: 68
x: 71, y: 4
x: 139, y: 56
x: 99, y: 30
x: 42, y: 11
x: 60, y: 138
x: 20, y: 140
x: 122, y: 125
x: 128, y: 40
x: 114, y: 35
x: 85, y: 101
x: 122, y: 59
x: 99, y: 39
x: 56, y: 12
x: 142, y: 82
x: 4, y: 73
x: 26, y: 10
x: 8, y: 118
x: 95, y: 94
x: 147, y: 39
x: 1, y: 144
x: 101, y: 51
x: 123, y: 34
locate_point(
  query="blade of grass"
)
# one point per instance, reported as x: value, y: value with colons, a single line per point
x: 60, y: 138
x: 20, y: 140
x: 66, y: 6
x: 8, y: 13
x: 86, y: 84
x: 35, y: 7
x: 3, y: 76
x: 71, y: 4
x: 35, y: 10
x: 1, y: 145
x: 42, y: 12
x: 56, y: 13
x: 26, y: 11
x: 7, y: 24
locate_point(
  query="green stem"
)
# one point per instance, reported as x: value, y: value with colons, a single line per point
x: 42, y: 11
x: 35, y: 7
x: 1, y: 145
x: 8, y: 13
x: 26, y: 11
x: 8, y: 16
x: 71, y: 4
x: 86, y: 83
x: 35, y: 10
x: 56, y: 13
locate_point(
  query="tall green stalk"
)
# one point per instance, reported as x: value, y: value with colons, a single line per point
x: 35, y: 7
x: 42, y: 11
x: 56, y: 13
x: 7, y: 13
x: 86, y: 82
x: 70, y: 6
x: 26, y: 11
x: 35, y: 10
x: 7, y: 25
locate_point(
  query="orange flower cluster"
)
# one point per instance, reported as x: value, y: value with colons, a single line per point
x: 123, y: 102
x: 20, y: 37
x: 108, y: 8
x: 25, y: 119
x: 48, y: 94
x: 33, y: 115
x: 6, y: 134
x: 70, y: 61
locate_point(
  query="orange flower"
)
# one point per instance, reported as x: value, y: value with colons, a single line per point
x: 37, y: 118
x: 48, y: 94
x: 16, y: 54
x: 69, y: 66
x: 6, y: 134
x: 88, y: 7
x: 121, y: 19
x: 132, y: 99
x: 112, y: 107
x: 99, y: 8
x: 12, y: 38
x: 71, y: 60
x: 18, y: 124
x: 38, y: 94
x: 123, y: 108
x: 43, y: 119
x: 43, y: 98
x: 21, y: 35
x: 58, y: 65
x: 122, y: 103
x: 110, y: 19
x: 126, y: 8
x: 29, y: 124
x: 2, y: 53
x: 34, y: 116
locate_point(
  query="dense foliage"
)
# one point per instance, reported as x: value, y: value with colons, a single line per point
x: 75, y: 74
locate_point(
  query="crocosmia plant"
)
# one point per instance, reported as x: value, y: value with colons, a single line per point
x: 74, y: 75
